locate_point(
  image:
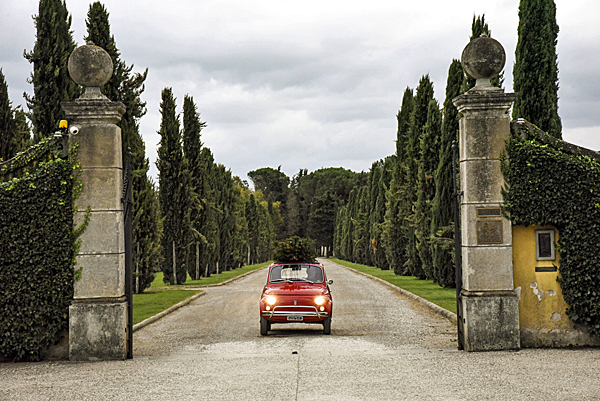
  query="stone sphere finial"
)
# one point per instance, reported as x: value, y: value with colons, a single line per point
x: 483, y: 59
x: 91, y: 67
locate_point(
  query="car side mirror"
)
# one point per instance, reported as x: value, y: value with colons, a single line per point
x: 330, y: 282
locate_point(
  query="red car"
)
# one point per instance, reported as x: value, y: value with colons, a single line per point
x: 296, y: 292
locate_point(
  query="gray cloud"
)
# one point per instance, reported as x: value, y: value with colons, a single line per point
x: 309, y: 84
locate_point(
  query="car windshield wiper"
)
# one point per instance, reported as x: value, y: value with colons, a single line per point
x: 280, y: 280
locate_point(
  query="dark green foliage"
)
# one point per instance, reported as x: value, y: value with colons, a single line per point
x: 253, y: 229
x: 50, y: 78
x: 442, y: 218
x: 147, y: 255
x: 535, y: 72
x: 418, y: 120
x: 127, y: 87
x: 294, y: 249
x: 7, y: 144
x: 37, y: 247
x: 381, y: 176
x: 394, y: 233
x: 429, y: 160
x: 552, y: 183
x: 274, y: 185
x: 312, y: 201
x: 192, y: 148
x: 174, y: 192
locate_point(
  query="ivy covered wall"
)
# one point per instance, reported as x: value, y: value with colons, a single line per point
x: 37, y: 248
x: 551, y: 182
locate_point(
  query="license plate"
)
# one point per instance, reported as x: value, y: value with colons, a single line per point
x: 295, y: 318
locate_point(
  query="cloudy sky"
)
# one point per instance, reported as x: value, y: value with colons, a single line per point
x: 310, y: 84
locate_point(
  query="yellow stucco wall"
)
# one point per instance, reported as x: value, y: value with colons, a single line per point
x: 542, y: 305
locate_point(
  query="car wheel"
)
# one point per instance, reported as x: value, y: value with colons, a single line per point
x: 264, y: 326
x: 327, y: 326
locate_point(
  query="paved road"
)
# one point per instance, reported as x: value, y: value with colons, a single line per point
x: 382, y: 347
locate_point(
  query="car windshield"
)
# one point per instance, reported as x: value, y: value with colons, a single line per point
x: 310, y: 273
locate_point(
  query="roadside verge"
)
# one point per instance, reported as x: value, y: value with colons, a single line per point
x: 186, y: 301
x: 435, y: 308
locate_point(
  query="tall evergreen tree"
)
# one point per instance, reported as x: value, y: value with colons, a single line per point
x: 394, y: 236
x: 127, y: 87
x: 442, y: 217
x: 192, y: 147
x: 7, y: 123
x: 253, y: 229
x: 22, y: 133
x: 418, y: 120
x: 50, y: 78
x: 174, y: 192
x: 428, y: 162
x: 535, y: 72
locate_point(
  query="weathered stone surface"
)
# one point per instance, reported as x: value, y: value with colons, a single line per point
x: 482, y: 59
x: 469, y: 219
x: 491, y: 144
x: 90, y: 66
x: 491, y: 322
x: 487, y: 268
x: 93, y: 111
x: 99, y: 146
x: 104, y: 234
x: 102, y: 276
x: 484, y: 103
x: 97, y: 331
x: 481, y: 181
x: 556, y: 338
x: 103, y: 189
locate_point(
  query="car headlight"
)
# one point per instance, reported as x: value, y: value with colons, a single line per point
x: 320, y: 300
x: 271, y: 300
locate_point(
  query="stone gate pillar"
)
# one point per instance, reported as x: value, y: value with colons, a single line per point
x: 98, y: 314
x: 490, y: 306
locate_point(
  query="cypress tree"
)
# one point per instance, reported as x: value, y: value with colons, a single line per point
x: 173, y: 191
x: 442, y: 218
x: 7, y: 123
x: 50, y: 78
x: 418, y: 120
x: 127, y: 87
x: 192, y: 147
x: 22, y: 130
x: 253, y: 228
x: 428, y: 162
x: 394, y: 237
x: 206, y: 191
x: 535, y: 72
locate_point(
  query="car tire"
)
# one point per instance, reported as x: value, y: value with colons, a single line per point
x: 264, y: 326
x: 327, y: 326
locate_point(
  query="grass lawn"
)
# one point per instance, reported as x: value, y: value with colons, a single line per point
x: 152, y: 302
x: 444, y: 297
x: 213, y: 279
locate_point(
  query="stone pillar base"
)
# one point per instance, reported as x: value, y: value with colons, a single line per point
x: 491, y: 321
x: 97, y: 331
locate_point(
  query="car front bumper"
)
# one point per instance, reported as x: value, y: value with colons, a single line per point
x: 295, y: 310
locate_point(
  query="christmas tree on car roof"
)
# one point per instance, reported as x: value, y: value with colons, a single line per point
x: 294, y: 249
